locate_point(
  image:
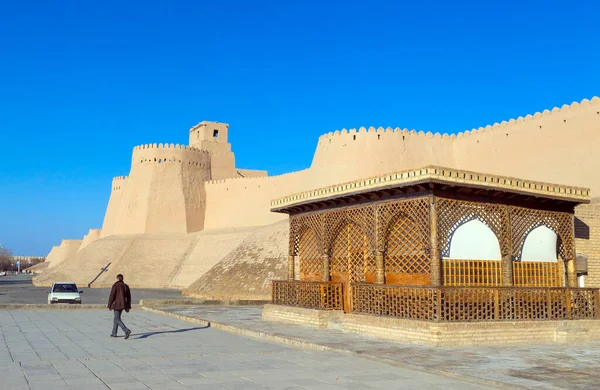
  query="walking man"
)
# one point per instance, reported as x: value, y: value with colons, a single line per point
x: 119, y: 300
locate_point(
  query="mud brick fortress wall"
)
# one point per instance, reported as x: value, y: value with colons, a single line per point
x: 177, y: 197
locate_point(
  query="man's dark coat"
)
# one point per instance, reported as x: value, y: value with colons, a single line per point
x: 120, y: 297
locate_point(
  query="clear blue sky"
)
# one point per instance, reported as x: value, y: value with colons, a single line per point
x: 82, y: 82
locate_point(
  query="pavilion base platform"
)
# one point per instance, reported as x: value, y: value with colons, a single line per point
x: 449, y: 334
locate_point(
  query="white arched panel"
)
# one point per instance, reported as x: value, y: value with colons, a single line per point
x: 474, y: 241
x: 540, y: 245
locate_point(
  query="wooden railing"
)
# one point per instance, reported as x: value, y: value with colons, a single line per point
x: 315, y: 295
x: 536, y: 274
x: 473, y: 304
x: 472, y: 272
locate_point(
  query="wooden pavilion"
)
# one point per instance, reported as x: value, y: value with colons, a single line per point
x: 385, y: 245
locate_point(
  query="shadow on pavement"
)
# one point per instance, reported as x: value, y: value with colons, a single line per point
x: 146, y: 335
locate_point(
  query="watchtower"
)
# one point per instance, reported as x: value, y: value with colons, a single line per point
x: 210, y: 136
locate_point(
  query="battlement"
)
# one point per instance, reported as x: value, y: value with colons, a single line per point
x: 372, y: 131
x: 555, y: 113
x: 169, y: 146
x: 505, y: 125
x: 119, y: 178
x: 170, y: 153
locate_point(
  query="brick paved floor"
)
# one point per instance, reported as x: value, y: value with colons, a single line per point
x: 58, y: 349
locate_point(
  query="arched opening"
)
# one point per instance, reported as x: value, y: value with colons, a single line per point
x: 406, y: 258
x: 309, y: 257
x: 474, y: 240
x: 539, y: 266
x: 540, y: 245
x: 475, y: 258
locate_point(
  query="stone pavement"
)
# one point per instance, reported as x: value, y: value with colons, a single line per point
x: 61, y: 349
x: 529, y: 366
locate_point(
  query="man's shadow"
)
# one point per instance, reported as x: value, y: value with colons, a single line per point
x: 146, y: 335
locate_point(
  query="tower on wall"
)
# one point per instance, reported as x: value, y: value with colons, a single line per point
x: 213, y: 137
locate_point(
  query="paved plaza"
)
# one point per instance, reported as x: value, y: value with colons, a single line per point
x: 541, y: 366
x: 59, y: 349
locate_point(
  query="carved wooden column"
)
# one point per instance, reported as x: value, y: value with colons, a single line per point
x: 571, y: 262
x: 379, y: 268
x: 291, y: 267
x: 572, y: 273
x: 507, y: 255
x: 325, y: 276
x: 435, y: 262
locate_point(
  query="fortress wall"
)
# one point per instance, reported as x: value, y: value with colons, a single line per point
x: 150, y: 260
x: 247, y: 201
x: 557, y: 146
x: 222, y: 165
x: 163, y: 192
x: 67, y: 249
x: 53, y: 254
x: 350, y: 154
x: 247, y: 271
x: 93, y: 234
x: 211, y: 247
x: 85, y: 265
x: 114, y: 204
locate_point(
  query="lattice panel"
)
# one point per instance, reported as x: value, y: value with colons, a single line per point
x: 454, y: 213
x: 417, y: 210
x: 315, y: 295
x: 350, y: 254
x: 386, y: 300
x: 466, y: 304
x: 472, y: 272
x: 309, y: 253
x: 407, y: 249
x: 584, y: 303
x: 299, y: 224
x: 536, y: 274
x: 525, y: 220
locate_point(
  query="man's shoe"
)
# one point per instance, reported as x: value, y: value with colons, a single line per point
x: 127, y: 334
x: 113, y: 335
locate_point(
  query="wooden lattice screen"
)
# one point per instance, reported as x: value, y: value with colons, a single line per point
x: 310, y: 258
x: 403, y: 236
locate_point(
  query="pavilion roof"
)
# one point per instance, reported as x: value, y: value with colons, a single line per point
x: 430, y: 177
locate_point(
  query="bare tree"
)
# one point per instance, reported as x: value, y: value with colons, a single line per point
x: 6, y: 259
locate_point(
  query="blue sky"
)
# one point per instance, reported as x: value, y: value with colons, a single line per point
x: 82, y: 82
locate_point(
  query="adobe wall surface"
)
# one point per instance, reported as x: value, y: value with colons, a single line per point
x: 247, y: 202
x: 164, y: 192
x: 557, y: 146
x: 354, y: 154
x: 157, y: 260
x: 247, y: 272
x: 211, y: 247
x: 67, y: 249
x: 93, y: 235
